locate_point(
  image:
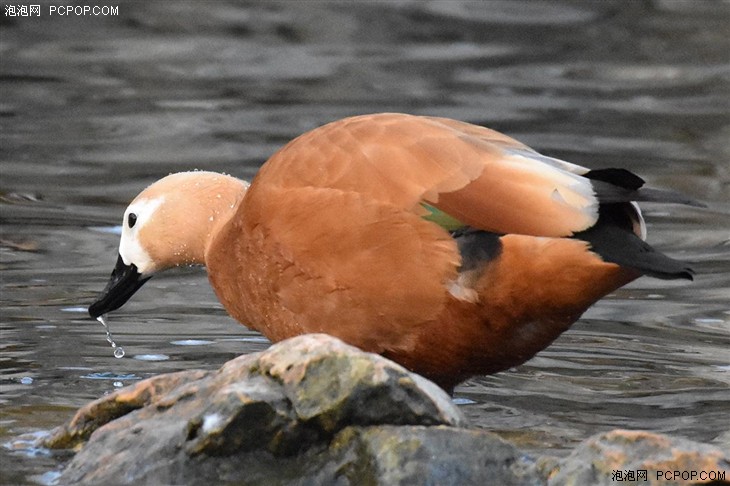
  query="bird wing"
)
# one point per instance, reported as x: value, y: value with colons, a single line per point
x: 476, y: 175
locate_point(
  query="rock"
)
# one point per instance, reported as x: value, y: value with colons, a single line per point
x: 440, y: 455
x: 106, y: 409
x: 616, y: 457
x: 282, y: 406
x: 313, y: 410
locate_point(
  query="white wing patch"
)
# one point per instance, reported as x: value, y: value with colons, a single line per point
x: 551, y: 161
x: 571, y: 188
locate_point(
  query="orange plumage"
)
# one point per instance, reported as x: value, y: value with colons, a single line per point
x: 333, y: 236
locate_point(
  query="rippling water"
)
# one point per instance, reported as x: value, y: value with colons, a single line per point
x: 92, y: 109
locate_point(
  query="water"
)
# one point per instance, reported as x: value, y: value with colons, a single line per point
x: 118, y: 350
x: 92, y: 109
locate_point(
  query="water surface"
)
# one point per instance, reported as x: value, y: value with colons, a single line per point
x: 92, y: 109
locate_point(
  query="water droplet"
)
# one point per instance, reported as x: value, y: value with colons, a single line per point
x: 118, y: 350
x: 26, y: 380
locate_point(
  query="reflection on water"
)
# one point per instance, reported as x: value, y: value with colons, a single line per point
x: 94, y: 109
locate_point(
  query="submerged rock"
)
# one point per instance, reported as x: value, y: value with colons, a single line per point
x: 313, y: 410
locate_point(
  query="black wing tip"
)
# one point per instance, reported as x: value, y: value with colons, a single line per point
x: 650, y: 194
x: 685, y: 274
x: 688, y: 274
x: 618, y: 245
x: 617, y: 177
x: 622, y: 185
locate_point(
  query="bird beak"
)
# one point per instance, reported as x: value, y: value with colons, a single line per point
x: 124, y: 282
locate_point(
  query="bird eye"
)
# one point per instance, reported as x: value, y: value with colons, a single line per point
x: 131, y: 219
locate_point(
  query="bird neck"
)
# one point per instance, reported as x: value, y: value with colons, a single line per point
x: 221, y: 203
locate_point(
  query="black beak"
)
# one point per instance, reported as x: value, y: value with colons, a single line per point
x: 124, y: 282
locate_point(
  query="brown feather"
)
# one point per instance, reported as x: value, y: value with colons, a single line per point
x: 315, y: 271
x: 330, y: 238
x: 458, y: 167
x: 529, y: 295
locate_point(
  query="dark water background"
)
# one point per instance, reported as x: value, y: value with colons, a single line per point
x: 94, y: 108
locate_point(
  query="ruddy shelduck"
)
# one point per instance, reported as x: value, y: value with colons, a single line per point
x: 450, y: 248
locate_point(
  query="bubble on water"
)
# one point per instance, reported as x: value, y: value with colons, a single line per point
x: 118, y: 350
x: 26, y: 380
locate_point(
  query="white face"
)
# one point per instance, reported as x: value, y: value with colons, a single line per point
x: 131, y: 248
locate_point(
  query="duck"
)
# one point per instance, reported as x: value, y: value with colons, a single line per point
x: 447, y: 247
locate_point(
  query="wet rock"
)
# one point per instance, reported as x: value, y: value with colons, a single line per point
x: 388, y: 455
x: 313, y: 410
x: 639, y: 457
x: 279, y: 407
x: 100, y: 412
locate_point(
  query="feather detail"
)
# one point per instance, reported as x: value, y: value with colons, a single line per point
x: 475, y: 175
x: 449, y: 247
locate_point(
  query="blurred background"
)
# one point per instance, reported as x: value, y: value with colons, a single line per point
x: 95, y: 107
